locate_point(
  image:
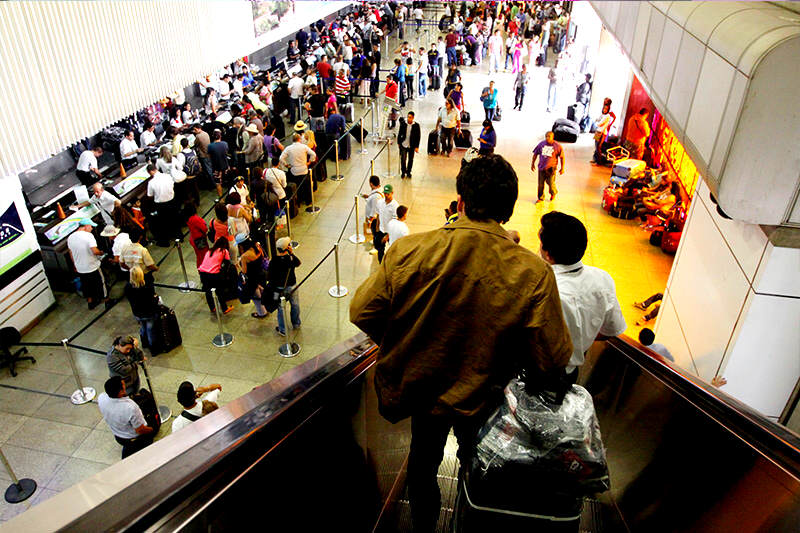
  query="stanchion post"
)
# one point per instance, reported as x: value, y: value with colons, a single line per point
x: 372, y: 167
x: 337, y: 291
x: 389, y: 174
x: 83, y: 394
x: 363, y: 148
x: 222, y: 339
x: 293, y: 242
x: 357, y: 238
x: 338, y: 176
x: 20, y: 489
x: 374, y: 133
x: 186, y: 285
x: 313, y: 208
x: 163, y: 410
x: 289, y: 348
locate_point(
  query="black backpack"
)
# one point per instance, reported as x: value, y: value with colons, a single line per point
x: 191, y: 165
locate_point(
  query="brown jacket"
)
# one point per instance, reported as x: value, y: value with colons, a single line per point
x: 457, y: 312
x: 201, y: 142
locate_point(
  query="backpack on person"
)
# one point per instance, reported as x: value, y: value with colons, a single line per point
x: 191, y: 165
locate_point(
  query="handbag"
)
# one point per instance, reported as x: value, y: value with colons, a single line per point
x: 241, y: 288
x: 201, y: 242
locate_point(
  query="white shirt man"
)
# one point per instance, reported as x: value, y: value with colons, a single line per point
x: 418, y: 14
x: 161, y: 187
x: 147, y: 137
x: 387, y: 211
x: 276, y: 178
x: 128, y: 149
x: 341, y: 65
x: 122, y: 415
x: 449, y: 118
x: 82, y: 246
x: 588, y: 296
x: 297, y: 156
x: 120, y: 242
x: 87, y: 162
x: 296, y: 87
x: 105, y: 202
x: 397, y: 226
x: 181, y: 421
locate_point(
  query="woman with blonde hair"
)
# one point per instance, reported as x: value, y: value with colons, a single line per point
x: 142, y: 298
x: 320, y: 172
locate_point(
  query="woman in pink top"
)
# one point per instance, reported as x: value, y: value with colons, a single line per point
x: 211, y: 276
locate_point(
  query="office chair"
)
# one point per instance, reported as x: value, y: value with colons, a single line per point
x: 8, y: 338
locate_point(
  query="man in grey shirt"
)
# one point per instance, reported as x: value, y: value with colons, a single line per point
x: 123, y: 359
x: 124, y: 418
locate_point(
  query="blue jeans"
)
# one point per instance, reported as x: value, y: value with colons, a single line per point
x: 146, y: 329
x: 423, y: 84
x: 452, y: 58
x: 294, y: 313
x: 551, y: 96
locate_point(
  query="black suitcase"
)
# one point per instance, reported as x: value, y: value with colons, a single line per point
x: 572, y: 112
x: 144, y: 399
x: 433, y: 142
x: 463, y: 139
x: 498, y: 114
x: 465, y: 116
x: 445, y: 22
x: 166, y: 332
x: 565, y: 134
x: 571, y: 124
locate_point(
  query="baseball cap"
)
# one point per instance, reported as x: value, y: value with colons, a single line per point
x: 388, y: 189
x: 87, y: 222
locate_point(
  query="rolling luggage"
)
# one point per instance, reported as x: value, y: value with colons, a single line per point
x: 565, y: 134
x: 166, y: 332
x: 463, y: 139
x: 433, y: 142
x: 656, y: 236
x: 144, y: 399
x: 670, y: 241
x: 349, y: 113
x: 498, y: 114
x: 629, y: 168
x: 610, y: 196
x: 572, y: 112
x: 445, y: 22
x: 465, y: 116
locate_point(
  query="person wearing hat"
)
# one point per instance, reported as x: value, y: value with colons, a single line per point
x: 254, y: 152
x: 297, y: 157
x: 240, y: 188
x: 300, y: 127
x: 281, y: 276
x: 118, y: 241
x: 387, y: 211
x: 85, y: 257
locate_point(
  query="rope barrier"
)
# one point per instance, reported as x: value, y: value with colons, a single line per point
x: 312, y: 271
x: 86, y: 349
x: 176, y: 287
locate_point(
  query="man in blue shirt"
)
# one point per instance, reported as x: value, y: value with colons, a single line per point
x: 489, y: 99
x: 400, y: 75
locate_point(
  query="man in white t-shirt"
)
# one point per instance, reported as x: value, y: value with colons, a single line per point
x: 128, y: 150
x: 387, y: 210
x: 418, y: 16
x: 87, y: 170
x: 296, y: 86
x: 192, y: 401
x: 148, y: 136
x: 124, y: 417
x: 373, y: 200
x: 161, y: 188
x: 86, y: 257
x: 588, y: 296
x: 103, y: 200
x: 397, y: 226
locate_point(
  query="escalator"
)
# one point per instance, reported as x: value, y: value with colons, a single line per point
x: 309, y: 452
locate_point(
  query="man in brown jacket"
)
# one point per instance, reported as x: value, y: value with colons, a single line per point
x: 457, y: 312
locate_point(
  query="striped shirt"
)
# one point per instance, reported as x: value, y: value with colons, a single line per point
x: 342, y: 86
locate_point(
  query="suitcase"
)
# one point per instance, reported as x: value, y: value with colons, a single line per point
x: 465, y: 116
x: 444, y: 22
x: 433, y: 142
x: 629, y: 168
x: 656, y: 237
x: 349, y: 113
x: 618, y: 181
x: 144, y: 399
x: 571, y: 124
x: 498, y: 114
x: 565, y: 134
x: 669, y: 242
x: 355, y: 133
x: 572, y: 112
x: 166, y: 332
x: 463, y: 139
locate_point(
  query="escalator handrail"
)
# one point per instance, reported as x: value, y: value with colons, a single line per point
x: 775, y: 442
x: 129, y: 490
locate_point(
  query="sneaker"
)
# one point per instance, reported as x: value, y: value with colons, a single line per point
x: 640, y: 305
x: 296, y: 327
x: 539, y: 200
x: 281, y: 333
x: 553, y: 197
x: 228, y: 310
x: 374, y: 251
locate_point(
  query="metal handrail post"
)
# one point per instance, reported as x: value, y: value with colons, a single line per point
x: 357, y: 238
x: 313, y: 208
x: 83, y: 394
x: 338, y: 176
x: 293, y: 242
x: 337, y: 291
x: 222, y: 339
x: 389, y: 174
x: 186, y: 285
x: 20, y: 489
x: 289, y: 348
x: 363, y: 148
x: 164, y: 412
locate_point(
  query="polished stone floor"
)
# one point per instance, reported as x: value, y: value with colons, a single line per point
x: 47, y: 438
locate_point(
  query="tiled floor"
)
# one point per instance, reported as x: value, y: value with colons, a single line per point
x: 58, y: 444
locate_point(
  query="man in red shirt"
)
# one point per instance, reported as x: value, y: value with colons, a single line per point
x: 325, y: 71
x: 451, y: 40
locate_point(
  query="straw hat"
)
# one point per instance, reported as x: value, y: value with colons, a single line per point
x: 251, y: 129
x: 300, y: 126
x: 110, y: 231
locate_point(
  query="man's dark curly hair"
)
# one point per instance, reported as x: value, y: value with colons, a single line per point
x: 489, y: 188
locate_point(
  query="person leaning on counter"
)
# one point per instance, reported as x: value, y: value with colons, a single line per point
x: 128, y: 149
x: 86, y: 169
x: 104, y: 200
